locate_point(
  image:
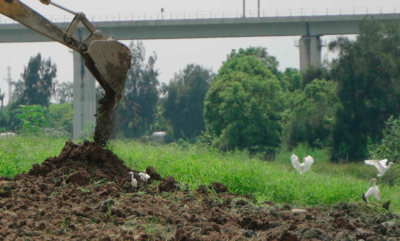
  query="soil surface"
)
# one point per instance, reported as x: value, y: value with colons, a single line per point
x: 85, y: 194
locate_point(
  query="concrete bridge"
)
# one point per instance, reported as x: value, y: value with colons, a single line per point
x: 310, y: 28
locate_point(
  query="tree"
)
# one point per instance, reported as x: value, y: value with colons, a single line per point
x: 64, y: 92
x: 315, y: 72
x: 368, y: 75
x: 18, y: 92
x: 243, y: 105
x: 312, y: 114
x: 261, y: 54
x: 3, y: 121
x: 60, y: 117
x: 291, y: 80
x: 2, y: 99
x: 38, y: 80
x: 137, y: 108
x: 184, y: 101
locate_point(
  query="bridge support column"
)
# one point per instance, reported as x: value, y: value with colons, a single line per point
x: 84, y: 103
x: 310, y: 51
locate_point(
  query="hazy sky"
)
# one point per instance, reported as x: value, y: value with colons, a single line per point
x: 173, y: 55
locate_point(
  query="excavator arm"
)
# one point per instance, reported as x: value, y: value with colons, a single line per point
x: 107, y: 59
x: 23, y: 14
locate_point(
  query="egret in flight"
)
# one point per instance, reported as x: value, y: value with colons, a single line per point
x: 302, y: 167
x: 380, y: 166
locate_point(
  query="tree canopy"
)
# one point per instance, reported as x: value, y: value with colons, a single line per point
x: 243, y: 105
x: 368, y: 75
x: 184, y: 101
x: 137, y: 108
x: 38, y: 82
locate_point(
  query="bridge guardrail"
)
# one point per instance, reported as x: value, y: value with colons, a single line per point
x: 146, y: 16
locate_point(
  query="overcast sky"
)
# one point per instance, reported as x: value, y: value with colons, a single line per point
x: 173, y: 55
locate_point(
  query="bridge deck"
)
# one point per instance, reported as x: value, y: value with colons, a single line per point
x: 213, y: 28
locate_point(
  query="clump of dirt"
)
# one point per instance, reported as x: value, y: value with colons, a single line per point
x: 167, y: 185
x: 218, y: 187
x: 85, y: 194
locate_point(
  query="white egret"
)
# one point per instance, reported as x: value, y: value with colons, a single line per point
x: 144, y: 176
x: 133, y: 180
x: 302, y: 167
x: 372, y: 191
x: 380, y: 166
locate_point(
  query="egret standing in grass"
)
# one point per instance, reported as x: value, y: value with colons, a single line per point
x: 372, y: 191
x: 380, y: 166
x: 302, y: 167
x: 133, y: 181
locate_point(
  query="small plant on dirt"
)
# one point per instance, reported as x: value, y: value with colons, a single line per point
x: 183, y: 187
x: 130, y: 225
x: 53, y: 195
x: 152, y: 220
x: 100, y: 182
x: 66, y: 221
x: 85, y: 189
x: 158, y: 232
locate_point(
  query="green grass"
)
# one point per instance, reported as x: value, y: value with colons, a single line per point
x: 326, y: 184
x: 18, y: 154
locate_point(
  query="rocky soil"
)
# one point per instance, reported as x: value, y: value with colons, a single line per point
x: 85, y: 194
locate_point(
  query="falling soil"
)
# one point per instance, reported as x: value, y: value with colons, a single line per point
x: 85, y: 194
x: 105, y: 119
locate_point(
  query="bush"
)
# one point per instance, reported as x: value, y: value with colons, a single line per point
x: 33, y: 117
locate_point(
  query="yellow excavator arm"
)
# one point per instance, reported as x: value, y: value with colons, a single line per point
x: 107, y: 59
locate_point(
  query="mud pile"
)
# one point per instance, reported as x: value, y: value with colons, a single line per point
x: 85, y: 194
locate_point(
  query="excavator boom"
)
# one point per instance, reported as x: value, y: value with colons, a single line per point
x: 107, y: 59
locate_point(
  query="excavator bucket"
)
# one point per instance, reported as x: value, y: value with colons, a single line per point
x: 109, y: 61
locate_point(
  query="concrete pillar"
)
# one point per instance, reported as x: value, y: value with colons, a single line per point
x: 84, y: 103
x: 310, y: 51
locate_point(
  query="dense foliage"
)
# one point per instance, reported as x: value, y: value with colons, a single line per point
x: 38, y: 82
x: 138, y: 105
x: 312, y: 114
x: 184, y: 102
x: 243, y: 105
x: 368, y: 75
x: 389, y: 147
x: 33, y: 117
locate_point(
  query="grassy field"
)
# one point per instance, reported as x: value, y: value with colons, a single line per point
x: 277, y: 181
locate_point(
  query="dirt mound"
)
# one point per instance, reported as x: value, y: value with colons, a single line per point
x: 82, y: 164
x: 85, y: 194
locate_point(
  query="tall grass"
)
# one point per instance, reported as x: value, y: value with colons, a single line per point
x: 327, y: 183
x: 19, y: 153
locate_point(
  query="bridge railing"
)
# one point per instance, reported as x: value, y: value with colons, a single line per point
x: 252, y: 13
